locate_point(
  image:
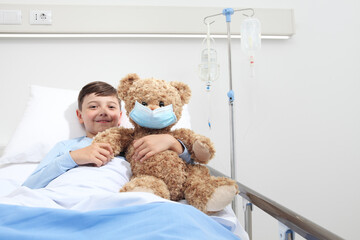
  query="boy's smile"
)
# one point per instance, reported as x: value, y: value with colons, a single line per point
x: 103, y: 121
x: 99, y: 113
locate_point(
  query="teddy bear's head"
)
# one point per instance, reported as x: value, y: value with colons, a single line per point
x: 153, y: 94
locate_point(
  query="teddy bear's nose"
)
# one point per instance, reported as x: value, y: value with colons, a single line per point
x: 153, y: 107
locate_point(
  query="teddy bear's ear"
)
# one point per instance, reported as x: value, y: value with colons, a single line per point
x: 184, y: 91
x: 126, y: 83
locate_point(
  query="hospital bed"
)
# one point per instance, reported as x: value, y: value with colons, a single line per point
x: 114, y: 215
x: 101, y: 213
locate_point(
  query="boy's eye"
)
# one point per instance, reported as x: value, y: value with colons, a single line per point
x: 144, y: 103
x: 161, y: 104
x: 93, y: 106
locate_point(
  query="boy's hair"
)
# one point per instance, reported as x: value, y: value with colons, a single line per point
x: 99, y: 88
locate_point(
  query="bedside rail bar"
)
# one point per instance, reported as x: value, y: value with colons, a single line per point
x: 291, y: 219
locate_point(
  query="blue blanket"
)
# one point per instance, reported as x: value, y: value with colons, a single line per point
x: 149, y: 221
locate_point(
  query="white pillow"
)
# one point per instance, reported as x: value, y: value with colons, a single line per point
x: 50, y: 117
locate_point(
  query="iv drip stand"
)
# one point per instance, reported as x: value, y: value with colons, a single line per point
x: 227, y: 12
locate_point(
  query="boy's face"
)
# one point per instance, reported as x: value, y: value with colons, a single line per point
x: 99, y: 113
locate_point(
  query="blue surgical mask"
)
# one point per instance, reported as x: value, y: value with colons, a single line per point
x: 156, y: 119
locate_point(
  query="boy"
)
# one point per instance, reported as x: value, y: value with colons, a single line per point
x: 98, y: 110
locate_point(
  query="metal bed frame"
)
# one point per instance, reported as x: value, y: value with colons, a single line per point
x: 292, y: 220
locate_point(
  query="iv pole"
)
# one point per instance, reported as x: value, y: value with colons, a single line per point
x: 227, y: 12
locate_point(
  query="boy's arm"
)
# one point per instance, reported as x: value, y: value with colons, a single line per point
x: 147, y: 146
x: 60, y: 159
x: 55, y: 163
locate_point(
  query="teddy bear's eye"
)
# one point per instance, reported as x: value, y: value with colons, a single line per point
x: 161, y: 104
x: 144, y: 103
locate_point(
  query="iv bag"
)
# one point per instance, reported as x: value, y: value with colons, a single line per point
x: 250, y: 36
x: 209, y: 69
x: 250, y: 39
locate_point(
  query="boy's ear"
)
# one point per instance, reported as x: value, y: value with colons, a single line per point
x: 119, y: 119
x: 79, y: 116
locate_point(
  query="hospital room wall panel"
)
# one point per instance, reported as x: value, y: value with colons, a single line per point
x: 297, y: 122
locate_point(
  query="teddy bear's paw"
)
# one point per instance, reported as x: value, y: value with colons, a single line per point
x: 201, y: 151
x: 221, y: 197
x: 110, y: 136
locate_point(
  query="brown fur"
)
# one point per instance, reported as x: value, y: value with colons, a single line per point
x: 170, y: 177
x: 149, y: 184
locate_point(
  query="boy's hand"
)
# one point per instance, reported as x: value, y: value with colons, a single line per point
x: 147, y: 146
x: 97, y: 154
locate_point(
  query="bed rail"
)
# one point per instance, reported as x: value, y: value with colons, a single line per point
x: 297, y: 223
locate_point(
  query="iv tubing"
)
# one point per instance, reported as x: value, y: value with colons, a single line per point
x: 208, y: 86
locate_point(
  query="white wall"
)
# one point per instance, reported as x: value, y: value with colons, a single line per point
x: 299, y: 146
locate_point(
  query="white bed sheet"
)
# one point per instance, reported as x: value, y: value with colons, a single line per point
x: 11, y: 192
x: 13, y: 175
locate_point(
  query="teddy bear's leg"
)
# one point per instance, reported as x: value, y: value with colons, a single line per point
x: 208, y: 193
x: 225, y: 190
x: 147, y: 184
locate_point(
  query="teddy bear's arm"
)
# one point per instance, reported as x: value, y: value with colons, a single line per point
x: 199, y: 146
x: 118, y: 138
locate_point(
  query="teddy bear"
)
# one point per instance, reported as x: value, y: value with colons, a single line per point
x: 154, y: 106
